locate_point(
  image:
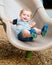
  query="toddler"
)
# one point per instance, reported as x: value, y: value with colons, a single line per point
x: 25, y: 28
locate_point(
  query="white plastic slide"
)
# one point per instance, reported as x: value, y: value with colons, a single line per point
x: 11, y: 8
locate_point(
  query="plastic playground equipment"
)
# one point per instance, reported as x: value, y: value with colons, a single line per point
x: 9, y: 8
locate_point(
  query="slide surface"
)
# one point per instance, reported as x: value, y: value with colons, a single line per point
x: 11, y: 8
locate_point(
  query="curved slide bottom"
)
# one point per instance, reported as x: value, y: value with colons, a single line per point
x: 37, y: 44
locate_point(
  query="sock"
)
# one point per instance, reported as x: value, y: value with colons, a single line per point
x: 44, y: 30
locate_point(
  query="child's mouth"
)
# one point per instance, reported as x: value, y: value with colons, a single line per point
x: 25, y: 19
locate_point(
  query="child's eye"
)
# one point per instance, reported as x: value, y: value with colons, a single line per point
x: 24, y: 14
x: 27, y: 15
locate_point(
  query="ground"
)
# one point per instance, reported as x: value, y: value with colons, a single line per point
x: 9, y: 55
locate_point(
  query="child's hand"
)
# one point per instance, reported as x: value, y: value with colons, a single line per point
x: 32, y: 24
x: 10, y: 20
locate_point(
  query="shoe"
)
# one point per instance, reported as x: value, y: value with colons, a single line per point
x: 44, y: 30
x: 34, y: 35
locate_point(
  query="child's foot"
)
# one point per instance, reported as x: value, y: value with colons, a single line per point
x: 44, y: 30
x: 33, y: 33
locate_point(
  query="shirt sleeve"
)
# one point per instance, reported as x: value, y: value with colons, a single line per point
x: 15, y: 21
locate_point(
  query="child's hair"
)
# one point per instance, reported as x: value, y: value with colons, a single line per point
x: 26, y: 10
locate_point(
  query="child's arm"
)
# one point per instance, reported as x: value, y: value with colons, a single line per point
x: 13, y: 21
x: 32, y: 24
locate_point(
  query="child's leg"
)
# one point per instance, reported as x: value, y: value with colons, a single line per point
x: 26, y: 33
x: 38, y: 31
x: 30, y: 33
x: 42, y: 31
x: 25, y: 36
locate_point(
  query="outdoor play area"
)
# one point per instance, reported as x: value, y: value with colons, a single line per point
x: 16, y: 52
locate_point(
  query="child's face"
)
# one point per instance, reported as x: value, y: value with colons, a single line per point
x: 25, y: 16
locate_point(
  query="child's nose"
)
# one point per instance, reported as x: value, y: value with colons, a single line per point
x: 26, y: 16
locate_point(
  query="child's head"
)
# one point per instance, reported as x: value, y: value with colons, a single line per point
x: 25, y: 14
